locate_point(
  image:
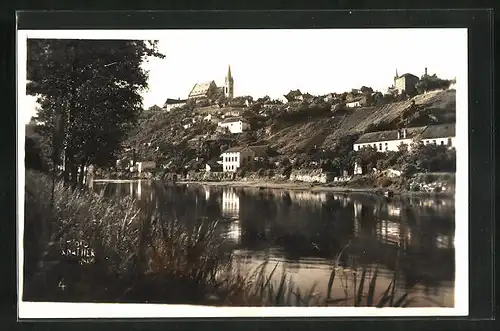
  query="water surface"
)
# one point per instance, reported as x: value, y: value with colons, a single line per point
x: 304, y: 231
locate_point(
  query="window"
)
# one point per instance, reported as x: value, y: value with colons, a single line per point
x: 434, y: 142
x: 449, y: 141
x: 380, y: 146
x: 386, y: 146
x: 442, y: 142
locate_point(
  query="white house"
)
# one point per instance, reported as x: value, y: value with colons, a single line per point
x: 443, y: 134
x: 235, y: 125
x: 236, y: 157
x: 384, y: 141
x: 353, y: 104
x: 145, y: 165
x: 173, y: 104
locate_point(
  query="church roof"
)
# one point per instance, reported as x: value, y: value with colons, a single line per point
x: 407, y: 75
x: 201, y: 88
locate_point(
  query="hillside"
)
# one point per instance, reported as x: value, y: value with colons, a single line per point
x: 179, y: 137
x: 324, y: 131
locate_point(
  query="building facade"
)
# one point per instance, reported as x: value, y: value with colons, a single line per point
x: 405, y: 83
x: 237, y: 157
x: 234, y: 125
x: 173, y: 104
x: 383, y: 141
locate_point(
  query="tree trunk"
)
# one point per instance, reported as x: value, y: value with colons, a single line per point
x: 81, y: 175
x: 74, y: 176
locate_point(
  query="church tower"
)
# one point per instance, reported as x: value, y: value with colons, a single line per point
x: 229, y: 86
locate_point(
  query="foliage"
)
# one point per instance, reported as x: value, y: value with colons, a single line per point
x: 89, y: 96
x: 431, y: 82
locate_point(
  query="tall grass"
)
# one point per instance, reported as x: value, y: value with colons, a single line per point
x: 143, y: 256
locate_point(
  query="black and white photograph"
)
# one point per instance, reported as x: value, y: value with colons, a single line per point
x: 201, y: 173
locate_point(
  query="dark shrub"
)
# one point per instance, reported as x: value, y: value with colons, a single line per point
x: 428, y: 178
x: 242, y: 172
x: 385, y: 182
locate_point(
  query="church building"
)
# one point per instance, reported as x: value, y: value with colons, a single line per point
x: 208, y: 89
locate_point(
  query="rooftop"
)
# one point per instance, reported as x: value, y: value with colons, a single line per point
x: 258, y: 150
x: 388, y: 135
x: 439, y: 131
x: 174, y: 101
x: 233, y: 119
x: 201, y: 88
x: 408, y: 75
x: 422, y: 132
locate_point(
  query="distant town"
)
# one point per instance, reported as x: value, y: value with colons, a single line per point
x: 397, y: 118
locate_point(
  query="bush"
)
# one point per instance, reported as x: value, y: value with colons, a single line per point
x: 242, y: 171
x: 287, y: 171
x: 386, y: 182
x: 428, y: 178
x: 408, y: 170
x: 269, y: 173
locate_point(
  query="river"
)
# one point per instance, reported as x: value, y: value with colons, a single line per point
x: 304, y: 231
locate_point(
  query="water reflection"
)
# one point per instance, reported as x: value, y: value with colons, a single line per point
x: 306, y: 230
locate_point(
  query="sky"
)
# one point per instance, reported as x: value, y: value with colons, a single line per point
x: 273, y: 62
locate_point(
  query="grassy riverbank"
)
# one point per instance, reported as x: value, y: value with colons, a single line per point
x: 88, y: 248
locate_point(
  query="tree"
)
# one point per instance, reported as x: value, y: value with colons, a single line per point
x: 429, y: 83
x: 89, y: 89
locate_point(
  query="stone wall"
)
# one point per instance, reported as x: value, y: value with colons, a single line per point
x: 209, y: 176
x: 311, y: 176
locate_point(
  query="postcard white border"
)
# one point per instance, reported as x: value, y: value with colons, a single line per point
x: 32, y: 310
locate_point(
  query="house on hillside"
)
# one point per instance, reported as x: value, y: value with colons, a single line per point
x: 331, y: 97
x: 357, y: 102
x: 384, y: 141
x: 405, y: 83
x: 294, y: 95
x: 155, y: 108
x: 173, y: 103
x: 236, y: 157
x: 232, y: 111
x: 235, y: 124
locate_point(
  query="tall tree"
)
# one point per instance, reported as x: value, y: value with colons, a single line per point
x: 89, y: 96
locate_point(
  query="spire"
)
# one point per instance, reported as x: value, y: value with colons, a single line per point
x: 229, y: 71
x: 397, y: 73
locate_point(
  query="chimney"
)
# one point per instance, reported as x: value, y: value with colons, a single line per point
x: 425, y: 71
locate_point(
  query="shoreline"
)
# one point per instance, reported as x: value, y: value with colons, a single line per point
x: 303, y: 186
x: 291, y: 186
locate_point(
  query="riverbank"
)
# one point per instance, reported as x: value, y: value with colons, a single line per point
x: 301, y: 186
